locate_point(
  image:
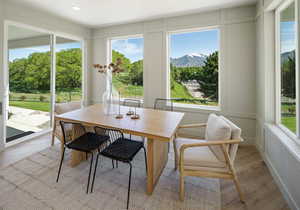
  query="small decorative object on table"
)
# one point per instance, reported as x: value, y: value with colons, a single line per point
x: 135, y: 116
x: 119, y: 115
x: 109, y: 96
x: 130, y: 112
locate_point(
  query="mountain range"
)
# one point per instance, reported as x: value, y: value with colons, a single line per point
x: 189, y: 60
x: 286, y: 55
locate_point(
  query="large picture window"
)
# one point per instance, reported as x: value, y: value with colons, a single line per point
x: 194, y: 67
x: 130, y: 82
x: 286, y: 65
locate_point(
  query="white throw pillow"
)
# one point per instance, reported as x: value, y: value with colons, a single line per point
x: 217, y: 130
x: 235, y: 131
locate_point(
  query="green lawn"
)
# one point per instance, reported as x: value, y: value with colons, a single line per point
x: 39, y: 106
x: 128, y: 90
x: 180, y: 91
x: 60, y: 96
x: 289, y: 122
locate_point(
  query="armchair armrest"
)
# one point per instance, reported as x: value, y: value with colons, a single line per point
x: 210, y: 143
x: 196, y: 125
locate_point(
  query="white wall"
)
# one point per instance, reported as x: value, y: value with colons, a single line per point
x: 280, y: 153
x: 237, y: 59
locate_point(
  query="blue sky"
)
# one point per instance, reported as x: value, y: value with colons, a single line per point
x: 132, y: 48
x: 204, y: 42
x: 287, y: 36
x: 25, y: 52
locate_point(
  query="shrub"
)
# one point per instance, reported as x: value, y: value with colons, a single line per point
x: 22, y: 98
x: 42, y: 98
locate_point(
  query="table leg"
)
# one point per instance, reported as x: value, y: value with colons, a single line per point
x: 157, y: 158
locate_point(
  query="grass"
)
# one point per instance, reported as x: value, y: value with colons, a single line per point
x: 128, y: 91
x: 180, y: 91
x: 36, y: 105
x: 289, y: 122
x: 60, y: 96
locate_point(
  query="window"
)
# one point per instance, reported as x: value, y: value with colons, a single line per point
x: 286, y: 66
x: 194, y: 67
x: 130, y: 82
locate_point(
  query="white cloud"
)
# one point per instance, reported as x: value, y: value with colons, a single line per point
x: 127, y: 48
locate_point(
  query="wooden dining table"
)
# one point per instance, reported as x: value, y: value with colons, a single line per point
x: 159, y: 127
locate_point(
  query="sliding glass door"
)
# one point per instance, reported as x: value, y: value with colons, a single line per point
x: 68, y: 80
x: 29, y: 70
x: 41, y: 69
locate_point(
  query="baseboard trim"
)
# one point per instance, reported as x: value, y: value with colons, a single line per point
x: 282, y: 187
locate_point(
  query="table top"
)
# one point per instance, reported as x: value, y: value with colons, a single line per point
x: 155, y: 124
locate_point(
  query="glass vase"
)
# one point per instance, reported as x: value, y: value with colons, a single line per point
x: 110, y: 98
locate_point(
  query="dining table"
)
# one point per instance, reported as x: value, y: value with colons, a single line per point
x: 157, y: 126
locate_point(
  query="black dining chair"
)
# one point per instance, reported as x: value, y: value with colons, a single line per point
x: 163, y: 104
x: 120, y: 149
x: 86, y: 142
x: 132, y: 102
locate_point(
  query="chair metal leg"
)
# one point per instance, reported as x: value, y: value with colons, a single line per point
x: 96, y: 165
x: 145, y: 159
x: 112, y: 162
x: 91, y: 165
x: 117, y: 164
x: 128, y: 194
x: 61, y: 161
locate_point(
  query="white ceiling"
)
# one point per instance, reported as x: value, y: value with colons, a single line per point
x: 94, y: 13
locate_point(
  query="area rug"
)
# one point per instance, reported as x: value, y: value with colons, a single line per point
x: 30, y: 184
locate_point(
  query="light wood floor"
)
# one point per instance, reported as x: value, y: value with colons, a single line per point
x: 260, y: 190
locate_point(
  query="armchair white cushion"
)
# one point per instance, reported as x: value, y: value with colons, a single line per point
x: 217, y: 129
x: 236, y: 133
x: 197, y: 156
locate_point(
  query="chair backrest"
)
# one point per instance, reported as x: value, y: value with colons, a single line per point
x: 113, y: 134
x: 236, y: 133
x: 61, y: 108
x: 71, y: 130
x: 220, y: 128
x: 163, y: 104
x: 132, y: 102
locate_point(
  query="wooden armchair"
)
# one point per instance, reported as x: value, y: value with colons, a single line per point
x: 212, y: 157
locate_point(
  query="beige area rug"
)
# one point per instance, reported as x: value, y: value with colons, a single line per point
x: 30, y: 184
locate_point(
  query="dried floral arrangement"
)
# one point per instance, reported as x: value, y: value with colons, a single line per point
x: 115, y: 68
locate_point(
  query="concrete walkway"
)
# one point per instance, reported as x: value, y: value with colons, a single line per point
x: 28, y: 120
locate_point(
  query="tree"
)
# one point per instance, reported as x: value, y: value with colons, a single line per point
x: 68, y: 70
x: 208, y: 77
x: 136, y: 73
x: 32, y: 74
x: 288, y: 75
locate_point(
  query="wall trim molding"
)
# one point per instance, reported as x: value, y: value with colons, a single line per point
x: 282, y: 187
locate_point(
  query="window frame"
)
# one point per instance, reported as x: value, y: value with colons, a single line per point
x: 278, y: 11
x: 168, y: 85
x: 109, y: 56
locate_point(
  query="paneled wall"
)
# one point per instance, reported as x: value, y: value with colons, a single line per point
x: 280, y: 152
x: 237, y: 62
